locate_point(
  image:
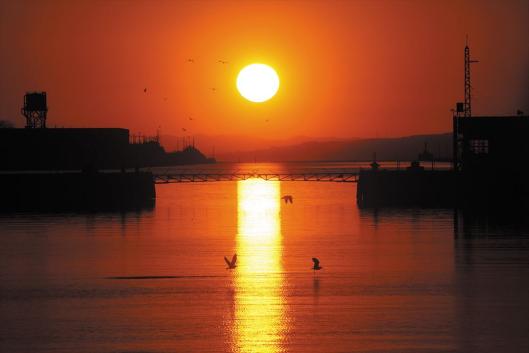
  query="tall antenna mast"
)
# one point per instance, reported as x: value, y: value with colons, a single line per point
x: 467, y: 112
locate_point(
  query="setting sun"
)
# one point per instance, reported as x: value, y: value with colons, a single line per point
x: 257, y: 82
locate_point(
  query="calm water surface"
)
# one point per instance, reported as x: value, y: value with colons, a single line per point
x: 156, y: 281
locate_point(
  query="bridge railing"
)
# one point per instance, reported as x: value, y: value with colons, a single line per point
x: 351, y: 177
x: 303, y: 173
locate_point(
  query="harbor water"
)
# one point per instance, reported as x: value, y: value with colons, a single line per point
x: 155, y: 280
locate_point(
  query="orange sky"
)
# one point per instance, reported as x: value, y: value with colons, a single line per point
x: 347, y: 69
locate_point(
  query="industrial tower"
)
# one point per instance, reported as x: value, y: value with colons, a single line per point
x: 467, y: 112
x: 463, y: 110
x: 35, y: 110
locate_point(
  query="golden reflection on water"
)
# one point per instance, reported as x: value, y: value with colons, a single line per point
x: 259, y: 304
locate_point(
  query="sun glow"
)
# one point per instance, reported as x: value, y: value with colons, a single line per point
x: 257, y: 82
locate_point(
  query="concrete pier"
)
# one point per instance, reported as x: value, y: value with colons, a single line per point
x: 70, y: 191
x: 406, y: 188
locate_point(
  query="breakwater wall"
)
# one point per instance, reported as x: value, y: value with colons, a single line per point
x: 495, y: 189
x: 406, y: 188
x: 71, y: 191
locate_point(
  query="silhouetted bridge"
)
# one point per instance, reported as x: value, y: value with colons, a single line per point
x: 166, y: 178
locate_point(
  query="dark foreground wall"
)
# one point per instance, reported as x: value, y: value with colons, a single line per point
x: 76, y: 191
x: 495, y: 189
x: 422, y: 188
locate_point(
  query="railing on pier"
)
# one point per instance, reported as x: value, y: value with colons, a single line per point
x: 209, y: 177
x: 348, y: 174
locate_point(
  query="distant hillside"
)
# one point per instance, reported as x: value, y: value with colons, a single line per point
x: 403, y: 148
x: 229, y: 144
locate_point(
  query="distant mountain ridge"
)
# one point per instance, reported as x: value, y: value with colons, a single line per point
x: 402, y: 148
x: 228, y: 144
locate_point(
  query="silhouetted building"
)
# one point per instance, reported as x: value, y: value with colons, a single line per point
x: 86, y: 149
x: 490, y: 158
x: 491, y: 144
x: 60, y: 149
x: 490, y: 155
x: 79, y: 155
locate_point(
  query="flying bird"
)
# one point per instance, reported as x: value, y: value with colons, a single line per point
x: 184, y: 129
x: 231, y: 264
x: 288, y: 198
x: 145, y: 90
x: 190, y: 118
x: 191, y: 60
x: 222, y: 62
x: 213, y: 89
x: 316, y: 266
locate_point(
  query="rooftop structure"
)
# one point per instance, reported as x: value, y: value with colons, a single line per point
x: 35, y: 110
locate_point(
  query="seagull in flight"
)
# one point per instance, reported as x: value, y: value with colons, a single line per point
x: 191, y: 60
x: 316, y: 266
x: 231, y: 264
x: 288, y: 198
x: 222, y: 62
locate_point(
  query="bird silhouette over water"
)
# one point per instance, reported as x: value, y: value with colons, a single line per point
x: 231, y: 264
x: 222, y: 62
x: 316, y: 266
x: 288, y: 198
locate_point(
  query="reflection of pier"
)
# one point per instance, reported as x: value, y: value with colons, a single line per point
x: 190, y: 177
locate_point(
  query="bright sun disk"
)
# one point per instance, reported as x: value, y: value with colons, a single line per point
x: 257, y: 82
